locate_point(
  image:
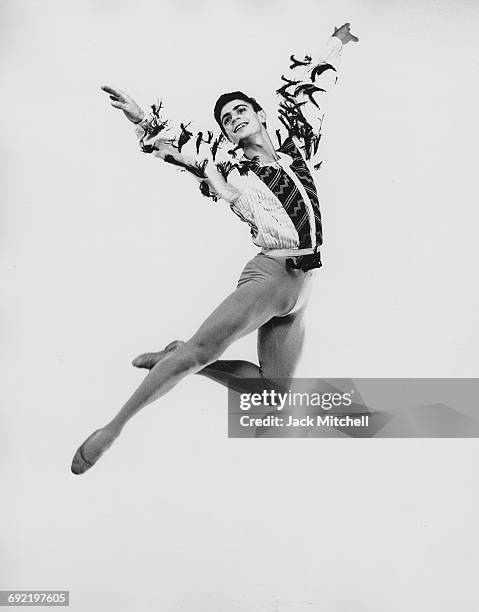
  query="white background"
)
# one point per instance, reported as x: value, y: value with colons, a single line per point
x: 107, y: 252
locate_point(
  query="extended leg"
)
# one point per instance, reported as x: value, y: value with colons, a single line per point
x: 280, y: 343
x: 221, y: 371
x: 246, y: 309
x: 234, y: 374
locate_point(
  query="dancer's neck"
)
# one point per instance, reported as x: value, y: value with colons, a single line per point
x: 261, y: 147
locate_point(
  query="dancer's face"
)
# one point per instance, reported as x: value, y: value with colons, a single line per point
x: 240, y: 121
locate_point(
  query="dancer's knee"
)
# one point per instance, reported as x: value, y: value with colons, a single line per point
x: 277, y: 372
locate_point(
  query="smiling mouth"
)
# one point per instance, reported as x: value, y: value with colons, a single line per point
x: 239, y: 126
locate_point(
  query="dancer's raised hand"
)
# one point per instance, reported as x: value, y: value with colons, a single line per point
x: 344, y: 34
x: 121, y: 100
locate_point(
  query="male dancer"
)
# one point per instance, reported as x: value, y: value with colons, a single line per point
x: 271, y: 190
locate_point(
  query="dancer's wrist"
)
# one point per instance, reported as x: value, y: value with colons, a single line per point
x: 139, y: 119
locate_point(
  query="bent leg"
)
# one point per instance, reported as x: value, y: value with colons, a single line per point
x: 246, y: 309
x: 280, y: 345
x: 280, y: 342
x: 239, y: 314
x: 230, y: 373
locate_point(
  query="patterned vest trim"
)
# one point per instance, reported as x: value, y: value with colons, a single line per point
x: 301, y: 170
x: 283, y: 187
x: 278, y: 181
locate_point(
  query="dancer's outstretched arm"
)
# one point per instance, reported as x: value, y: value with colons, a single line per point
x: 303, y: 92
x: 195, y: 153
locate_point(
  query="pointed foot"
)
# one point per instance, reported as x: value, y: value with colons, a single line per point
x: 91, y: 450
x: 149, y: 360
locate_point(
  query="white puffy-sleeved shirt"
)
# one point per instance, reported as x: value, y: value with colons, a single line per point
x: 279, y: 201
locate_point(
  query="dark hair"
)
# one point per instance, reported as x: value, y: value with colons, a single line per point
x: 228, y: 97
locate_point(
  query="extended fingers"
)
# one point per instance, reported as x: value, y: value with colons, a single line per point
x: 114, y: 93
x: 110, y: 90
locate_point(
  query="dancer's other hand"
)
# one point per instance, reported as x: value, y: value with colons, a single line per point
x: 121, y: 100
x: 344, y: 34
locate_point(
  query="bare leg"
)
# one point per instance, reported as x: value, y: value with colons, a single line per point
x: 222, y: 371
x: 246, y: 309
x: 148, y: 361
x: 280, y: 343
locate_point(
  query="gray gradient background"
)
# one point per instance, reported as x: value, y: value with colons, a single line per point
x: 176, y: 516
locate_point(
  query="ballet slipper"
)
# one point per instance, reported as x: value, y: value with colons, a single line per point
x: 80, y: 463
x: 149, y: 360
